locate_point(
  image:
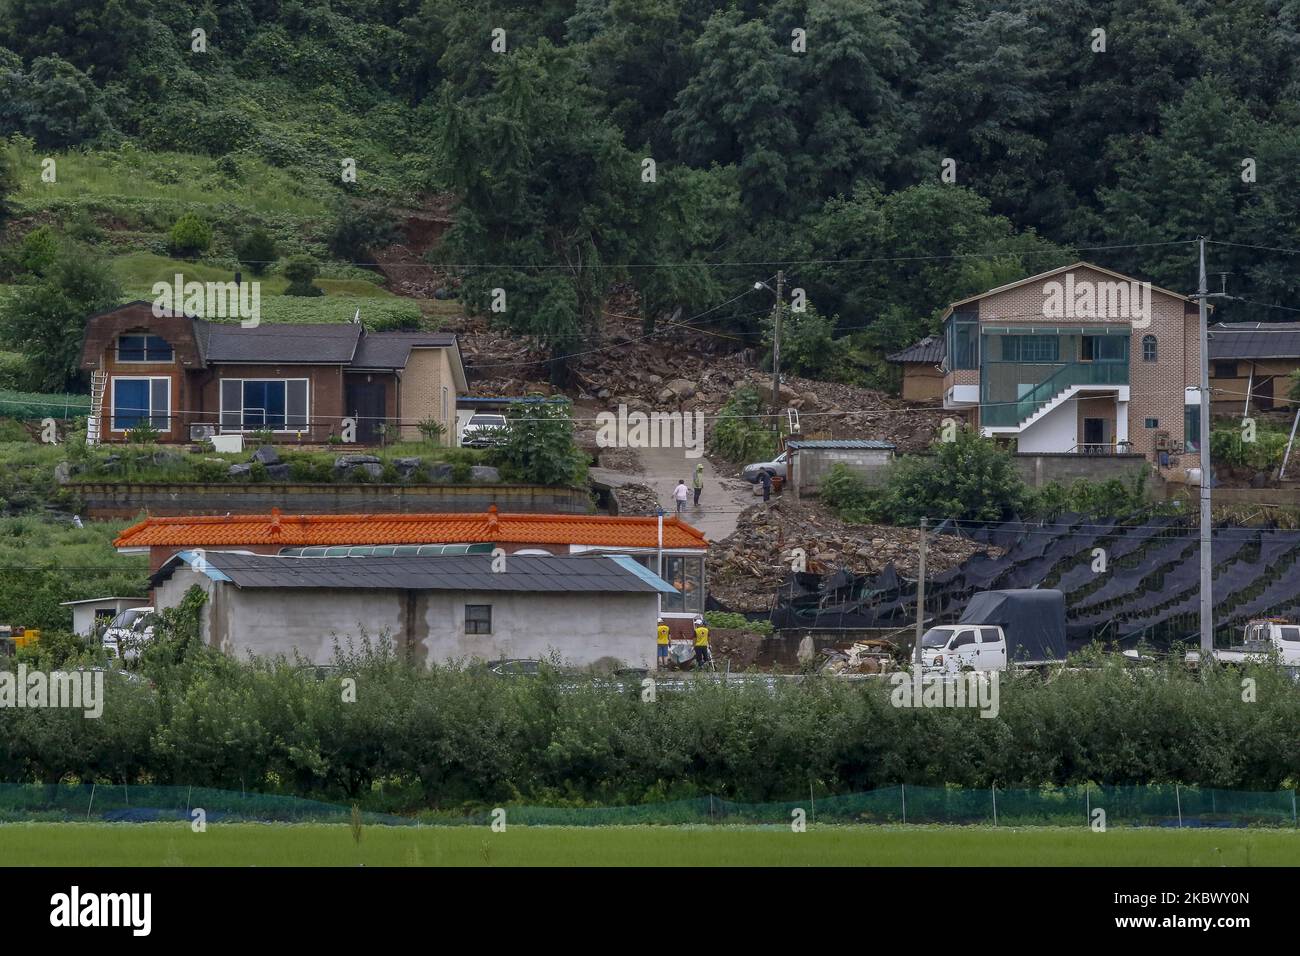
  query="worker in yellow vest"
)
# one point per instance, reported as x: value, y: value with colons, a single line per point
x: 662, y: 644
x: 702, y: 655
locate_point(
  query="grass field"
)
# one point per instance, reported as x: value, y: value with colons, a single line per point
x: 251, y: 844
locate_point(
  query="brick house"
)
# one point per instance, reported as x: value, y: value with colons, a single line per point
x: 191, y: 378
x: 1078, y: 360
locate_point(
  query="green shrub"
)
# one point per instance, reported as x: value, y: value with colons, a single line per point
x: 432, y: 430
x: 728, y: 620
x: 539, y: 447
x: 257, y: 251
x: 739, y: 434
x: 190, y: 236
x: 846, y: 493
x: 969, y: 478
x: 143, y: 433
x: 38, y: 251
x: 301, y: 271
x: 16, y: 374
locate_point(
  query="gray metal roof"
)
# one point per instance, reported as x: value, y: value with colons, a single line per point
x: 1254, y: 340
x: 931, y: 350
x: 320, y: 343
x: 463, y: 572
x: 391, y: 349
x: 859, y: 443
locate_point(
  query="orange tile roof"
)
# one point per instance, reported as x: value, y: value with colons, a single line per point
x: 455, y: 528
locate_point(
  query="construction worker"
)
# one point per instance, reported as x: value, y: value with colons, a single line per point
x: 702, y: 655
x: 662, y: 644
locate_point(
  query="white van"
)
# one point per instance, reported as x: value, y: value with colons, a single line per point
x: 128, y: 632
x: 961, y: 647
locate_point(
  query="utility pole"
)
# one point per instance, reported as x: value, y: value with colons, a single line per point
x: 920, y: 599
x: 1207, y: 586
x: 776, y: 342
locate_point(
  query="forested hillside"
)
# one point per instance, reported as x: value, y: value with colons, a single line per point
x: 678, y: 149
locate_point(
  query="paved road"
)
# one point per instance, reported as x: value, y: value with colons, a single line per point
x: 720, y: 503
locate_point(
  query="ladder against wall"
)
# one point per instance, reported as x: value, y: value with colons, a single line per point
x: 98, y: 384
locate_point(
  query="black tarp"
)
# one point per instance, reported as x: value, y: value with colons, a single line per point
x: 1032, y: 619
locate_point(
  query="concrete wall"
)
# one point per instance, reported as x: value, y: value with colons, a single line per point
x: 1057, y: 431
x: 1040, y: 469
x: 429, y: 625
x: 812, y: 465
x: 102, y: 500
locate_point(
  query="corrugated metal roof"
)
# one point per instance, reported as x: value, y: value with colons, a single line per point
x: 206, y: 531
x: 465, y: 572
x: 931, y: 350
x: 859, y: 443
x: 1254, y: 340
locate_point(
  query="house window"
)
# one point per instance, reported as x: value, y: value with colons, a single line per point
x: 1225, y: 369
x: 686, y: 574
x: 478, y: 618
x: 136, y: 400
x: 279, y: 404
x: 1149, y: 351
x: 962, y: 333
x: 1030, y: 348
x: 143, y: 348
x: 1192, y: 427
x: 1104, y: 348
x: 1152, y: 423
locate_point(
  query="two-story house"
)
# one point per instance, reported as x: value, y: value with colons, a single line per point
x: 1078, y: 360
x: 190, y: 378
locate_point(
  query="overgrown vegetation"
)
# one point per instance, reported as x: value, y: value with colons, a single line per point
x: 448, y: 737
x: 741, y: 432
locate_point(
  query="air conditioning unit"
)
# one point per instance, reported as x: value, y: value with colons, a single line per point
x: 202, y: 432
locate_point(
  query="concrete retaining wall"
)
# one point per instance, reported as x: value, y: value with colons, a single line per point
x: 1041, y: 468
x: 104, y: 500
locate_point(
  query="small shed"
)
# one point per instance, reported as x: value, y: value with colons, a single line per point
x: 812, y: 460
x: 922, y: 365
x: 90, y: 613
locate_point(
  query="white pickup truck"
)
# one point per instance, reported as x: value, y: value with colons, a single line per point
x: 998, y: 629
x: 959, y: 647
x: 1262, y: 640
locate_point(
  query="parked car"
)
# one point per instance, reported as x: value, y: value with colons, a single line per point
x: 484, y: 429
x: 128, y: 632
x: 776, y: 466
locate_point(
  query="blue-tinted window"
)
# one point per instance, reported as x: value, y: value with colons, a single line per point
x: 1030, y: 348
x: 143, y: 348
x: 962, y: 340
x: 1104, y: 348
x: 141, y: 399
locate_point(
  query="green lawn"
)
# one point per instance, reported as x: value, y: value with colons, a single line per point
x: 248, y: 844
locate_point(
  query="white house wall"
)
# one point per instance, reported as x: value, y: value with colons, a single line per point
x: 1056, y: 431
x: 581, y: 627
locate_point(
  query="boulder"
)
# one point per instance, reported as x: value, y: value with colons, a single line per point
x: 484, y: 473
x: 240, y: 471
x: 266, y: 455
x: 63, y: 472
x: 681, y: 387
x: 348, y: 461
x: 371, y: 469
x: 407, y: 466
x: 439, y: 471
x: 165, y: 456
